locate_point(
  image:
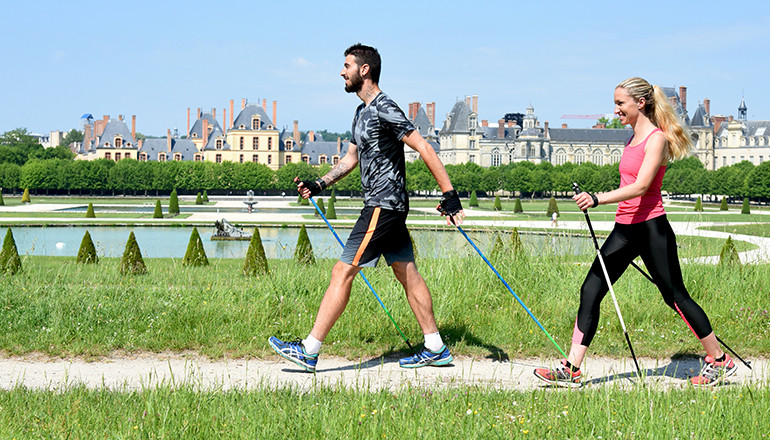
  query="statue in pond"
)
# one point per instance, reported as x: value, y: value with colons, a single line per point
x: 224, y: 230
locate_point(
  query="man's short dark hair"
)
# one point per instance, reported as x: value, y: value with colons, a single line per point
x: 367, y: 55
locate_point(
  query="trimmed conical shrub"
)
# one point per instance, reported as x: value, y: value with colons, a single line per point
x: 195, y: 255
x: 25, y: 197
x: 87, y: 251
x: 10, y: 262
x: 256, y: 261
x: 517, y: 206
x: 552, y: 207
x: 729, y: 254
x: 205, y: 196
x: 2, y: 202
x: 320, y: 203
x: 132, y: 261
x: 90, y: 211
x: 333, y: 196
x: 474, y: 202
x: 199, y: 199
x: 745, y: 209
x: 303, y: 253
x: 331, y: 213
x: 699, y: 204
x: 723, y: 205
x: 498, y: 205
x: 173, y: 204
x: 304, y: 202
x: 299, y: 199
x: 158, y: 210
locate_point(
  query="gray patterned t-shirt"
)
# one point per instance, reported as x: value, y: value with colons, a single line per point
x: 377, y: 132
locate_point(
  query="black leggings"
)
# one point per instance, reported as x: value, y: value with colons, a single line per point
x: 655, y: 242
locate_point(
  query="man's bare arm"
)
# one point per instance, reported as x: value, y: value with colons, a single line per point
x: 343, y: 167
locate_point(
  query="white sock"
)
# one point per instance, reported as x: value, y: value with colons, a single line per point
x: 433, y: 342
x: 311, y: 344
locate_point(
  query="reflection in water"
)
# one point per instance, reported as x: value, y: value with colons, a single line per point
x: 279, y: 243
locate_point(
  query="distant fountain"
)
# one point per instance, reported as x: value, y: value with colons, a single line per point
x: 250, y: 202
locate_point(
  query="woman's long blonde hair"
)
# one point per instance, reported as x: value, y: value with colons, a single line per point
x: 661, y: 114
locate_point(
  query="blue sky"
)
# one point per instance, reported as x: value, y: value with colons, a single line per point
x: 156, y: 59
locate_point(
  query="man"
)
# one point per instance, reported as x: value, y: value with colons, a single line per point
x: 380, y: 131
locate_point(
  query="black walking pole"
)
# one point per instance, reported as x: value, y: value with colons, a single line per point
x: 609, y: 282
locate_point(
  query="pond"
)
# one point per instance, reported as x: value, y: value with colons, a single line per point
x: 148, y: 208
x: 279, y: 242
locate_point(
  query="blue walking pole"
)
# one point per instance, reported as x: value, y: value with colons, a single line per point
x: 362, y: 275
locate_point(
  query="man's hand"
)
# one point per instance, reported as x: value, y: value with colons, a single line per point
x: 309, y: 188
x: 451, y: 207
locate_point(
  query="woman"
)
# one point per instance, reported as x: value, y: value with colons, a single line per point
x: 641, y: 229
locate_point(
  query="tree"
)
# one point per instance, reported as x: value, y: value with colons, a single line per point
x: 71, y: 137
x: 132, y: 262
x: 552, y: 207
x: 2, y: 202
x: 205, y: 196
x: 517, y: 206
x: 698, y: 204
x: 723, y: 204
x: 10, y: 263
x: 321, y: 208
x: 173, y: 204
x: 613, y: 123
x: 474, y: 202
x: 18, y: 146
x: 195, y: 254
x: 331, y: 213
x: 256, y: 261
x: 745, y: 209
x: 25, y: 197
x: 199, y: 199
x: 498, y: 206
x: 87, y: 251
x: 158, y: 211
x: 90, y: 211
x: 303, y: 253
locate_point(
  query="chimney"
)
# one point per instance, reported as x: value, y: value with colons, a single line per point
x: 264, y: 104
x: 311, y: 136
x: 295, y: 133
x: 141, y: 144
x: 484, y: 123
x: 730, y: 118
x: 243, y: 103
x: 468, y: 101
x: 275, y: 122
x: 707, y: 104
x: 133, y: 127
x: 199, y: 113
x: 205, y: 131
x: 339, y: 145
x: 188, y: 121
x: 476, y: 104
x: 717, y: 121
x: 545, y: 129
x: 120, y: 118
x: 411, y: 111
x: 86, y: 134
x: 500, y: 129
x: 168, y: 141
x: 430, y: 109
x: 683, y: 97
x: 224, y: 121
x: 230, y: 125
x: 563, y: 125
x: 509, y: 124
x: 214, y: 113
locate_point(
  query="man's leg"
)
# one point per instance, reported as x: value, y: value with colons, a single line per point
x: 335, y: 299
x: 417, y: 294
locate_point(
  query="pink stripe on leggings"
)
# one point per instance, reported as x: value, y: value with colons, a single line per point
x: 577, y: 335
x: 685, y: 320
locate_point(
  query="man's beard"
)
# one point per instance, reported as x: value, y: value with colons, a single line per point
x: 356, y: 83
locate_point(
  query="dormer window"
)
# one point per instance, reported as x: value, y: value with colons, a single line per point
x: 106, y: 144
x: 177, y: 156
x: 241, y: 126
x: 255, y: 123
x: 269, y: 127
x: 118, y: 142
x: 219, y: 144
x: 335, y: 159
x: 305, y: 158
x: 195, y: 134
x: 143, y: 157
x: 289, y: 143
x: 162, y: 157
x: 321, y: 159
x: 198, y: 158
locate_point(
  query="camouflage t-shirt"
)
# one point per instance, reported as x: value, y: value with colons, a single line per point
x: 377, y: 132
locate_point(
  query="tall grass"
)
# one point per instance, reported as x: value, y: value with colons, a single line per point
x: 334, y: 413
x: 60, y: 308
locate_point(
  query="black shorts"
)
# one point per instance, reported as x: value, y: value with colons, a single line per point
x: 378, y: 232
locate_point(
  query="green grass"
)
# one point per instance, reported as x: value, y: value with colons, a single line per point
x: 100, y: 200
x: 62, y: 309
x: 759, y: 229
x: 334, y: 413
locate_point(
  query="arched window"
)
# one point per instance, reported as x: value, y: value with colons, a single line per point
x: 240, y: 158
x: 143, y: 157
x: 198, y: 158
x: 597, y: 157
x: 335, y: 159
x: 108, y: 156
x: 177, y: 156
x: 118, y: 142
x: 495, y: 157
x: 162, y: 157
x: 615, y: 156
x: 580, y: 157
x: 322, y: 159
x: 560, y: 157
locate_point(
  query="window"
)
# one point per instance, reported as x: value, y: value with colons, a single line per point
x: 335, y: 160
x: 322, y: 159
x: 579, y: 157
x: 560, y: 157
x: 162, y: 157
x: 219, y: 144
x: 118, y: 142
x: 177, y: 156
x: 240, y: 142
x: 241, y: 126
x: 269, y: 158
x: 288, y: 159
x: 240, y: 159
x: 305, y: 158
x: 108, y: 156
x: 289, y: 143
x: 472, y: 144
x: 255, y: 158
x: 495, y: 157
x: 472, y: 158
x: 615, y: 156
x: 269, y: 143
x: 218, y: 158
x: 198, y: 158
x: 117, y: 157
x: 195, y: 134
x: 255, y: 123
x: 143, y: 157
x: 128, y: 156
x: 255, y: 143
x: 597, y: 157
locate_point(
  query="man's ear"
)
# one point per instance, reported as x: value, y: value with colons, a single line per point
x: 364, y: 70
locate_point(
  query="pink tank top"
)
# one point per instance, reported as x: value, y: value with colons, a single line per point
x: 647, y: 206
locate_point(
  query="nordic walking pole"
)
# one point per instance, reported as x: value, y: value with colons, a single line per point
x: 506, y: 285
x: 609, y: 282
x: 745, y: 362
x: 363, y: 276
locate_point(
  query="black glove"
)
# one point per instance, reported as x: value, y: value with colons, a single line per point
x: 450, y: 203
x: 578, y: 191
x: 314, y: 186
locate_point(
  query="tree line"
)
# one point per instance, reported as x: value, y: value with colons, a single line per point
x: 525, y: 179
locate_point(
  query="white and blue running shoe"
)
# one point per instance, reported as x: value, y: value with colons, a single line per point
x: 295, y: 352
x: 427, y: 357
